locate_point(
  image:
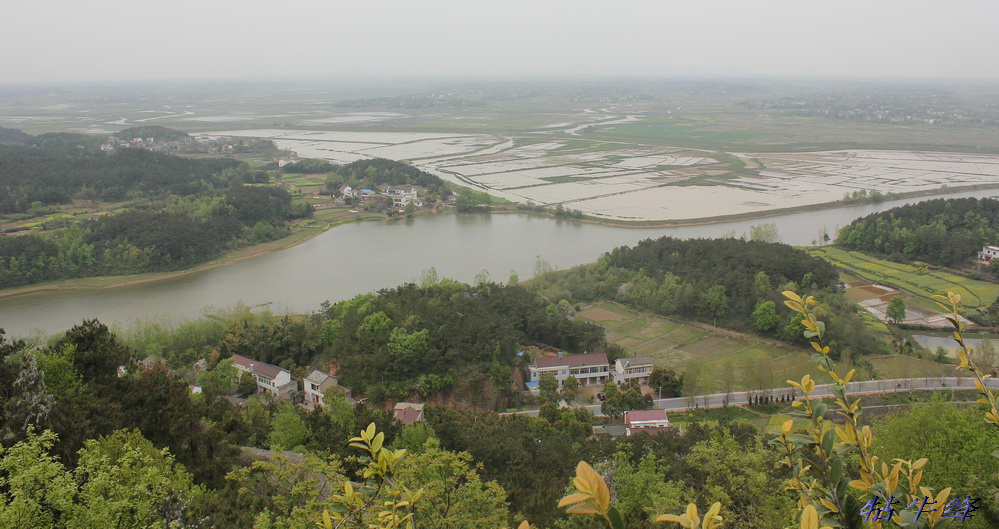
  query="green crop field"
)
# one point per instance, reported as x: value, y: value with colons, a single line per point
x: 670, y: 343
x: 921, y: 281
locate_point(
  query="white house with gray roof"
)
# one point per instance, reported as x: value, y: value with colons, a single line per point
x: 637, y: 368
x: 316, y: 385
x: 270, y: 379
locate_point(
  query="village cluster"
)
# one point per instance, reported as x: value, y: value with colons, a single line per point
x: 589, y: 369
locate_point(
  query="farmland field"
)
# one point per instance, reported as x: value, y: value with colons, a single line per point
x: 635, y: 152
x: 754, y: 363
x: 920, y: 280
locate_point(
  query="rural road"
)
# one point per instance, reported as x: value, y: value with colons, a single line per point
x: 736, y: 398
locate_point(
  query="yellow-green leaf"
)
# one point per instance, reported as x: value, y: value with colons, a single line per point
x: 682, y: 519
x: 809, y: 518
x: 573, y: 499
x: 582, y: 508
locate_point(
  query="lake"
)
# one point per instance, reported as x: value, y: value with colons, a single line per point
x: 357, y: 258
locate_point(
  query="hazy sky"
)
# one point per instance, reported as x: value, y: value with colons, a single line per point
x: 98, y: 40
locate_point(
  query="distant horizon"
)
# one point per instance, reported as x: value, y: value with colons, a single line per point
x: 114, y: 41
x: 503, y: 78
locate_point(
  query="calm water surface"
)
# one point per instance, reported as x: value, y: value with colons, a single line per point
x: 357, y: 258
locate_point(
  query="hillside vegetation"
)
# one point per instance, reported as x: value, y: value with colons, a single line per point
x: 945, y: 232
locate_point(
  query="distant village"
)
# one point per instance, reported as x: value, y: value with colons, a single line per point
x: 215, y: 145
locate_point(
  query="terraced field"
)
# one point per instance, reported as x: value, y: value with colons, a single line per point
x: 920, y: 280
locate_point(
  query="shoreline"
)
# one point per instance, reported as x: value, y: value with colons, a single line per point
x: 235, y: 256
x: 305, y: 234
x: 701, y: 221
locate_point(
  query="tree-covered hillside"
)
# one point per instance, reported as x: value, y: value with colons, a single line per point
x: 445, y: 337
x: 31, y: 174
x: 185, y: 233
x: 156, y: 211
x: 726, y: 282
x: 942, y: 231
x: 380, y: 172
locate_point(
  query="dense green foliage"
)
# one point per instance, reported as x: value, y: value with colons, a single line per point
x: 135, y: 448
x: 414, y: 339
x: 469, y: 201
x: 377, y: 172
x: 143, y: 240
x: 958, y: 444
x: 14, y: 136
x: 54, y: 176
x: 942, y: 231
x: 728, y: 282
x: 308, y: 166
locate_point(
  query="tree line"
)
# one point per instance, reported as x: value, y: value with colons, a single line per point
x: 731, y: 283
x: 446, y: 337
x: 182, y: 234
x: 376, y: 172
x: 51, y: 175
x: 945, y: 232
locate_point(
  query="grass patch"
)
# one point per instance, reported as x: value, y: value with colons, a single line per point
x: 630, y: 326
x: 685, y: 334
x: 899, y: 366
x: 715, y: 346
x: 657, y: 349
x: 657, y: 328
x: 616, y: 309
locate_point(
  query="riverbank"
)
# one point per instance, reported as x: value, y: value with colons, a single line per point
x: 935, y: 193
x: 330, y: 218
x: 318, y: 225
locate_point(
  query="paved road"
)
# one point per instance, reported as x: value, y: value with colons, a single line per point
x: 718, y: 400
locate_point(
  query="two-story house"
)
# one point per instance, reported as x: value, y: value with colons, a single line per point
x: 988, y: 253
x: 637, y: 368
x: 403, y: 195
x: 270, y: 379
x: 316, y: 385
x: 588, y: 368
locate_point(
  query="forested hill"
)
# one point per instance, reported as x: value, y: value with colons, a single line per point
x: 720, y: 278
x: 942, y: 231
x: 379, y: 171
x: 54, y: 175
x: 445, y: 336
x: 186, y: 233
x: 155, y: 211
x: 726, y: 282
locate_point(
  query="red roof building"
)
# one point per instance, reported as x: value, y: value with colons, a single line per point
x: 649, y: 421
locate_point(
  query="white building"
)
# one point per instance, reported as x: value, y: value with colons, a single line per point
x: 988, y: 253
x: 589, y: 368
x: 270, y: 379
x: 637, y: 368
x: 403, y: 195
x: 316, y: 385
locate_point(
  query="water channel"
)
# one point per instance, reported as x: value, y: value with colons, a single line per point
x: 357, y: 258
